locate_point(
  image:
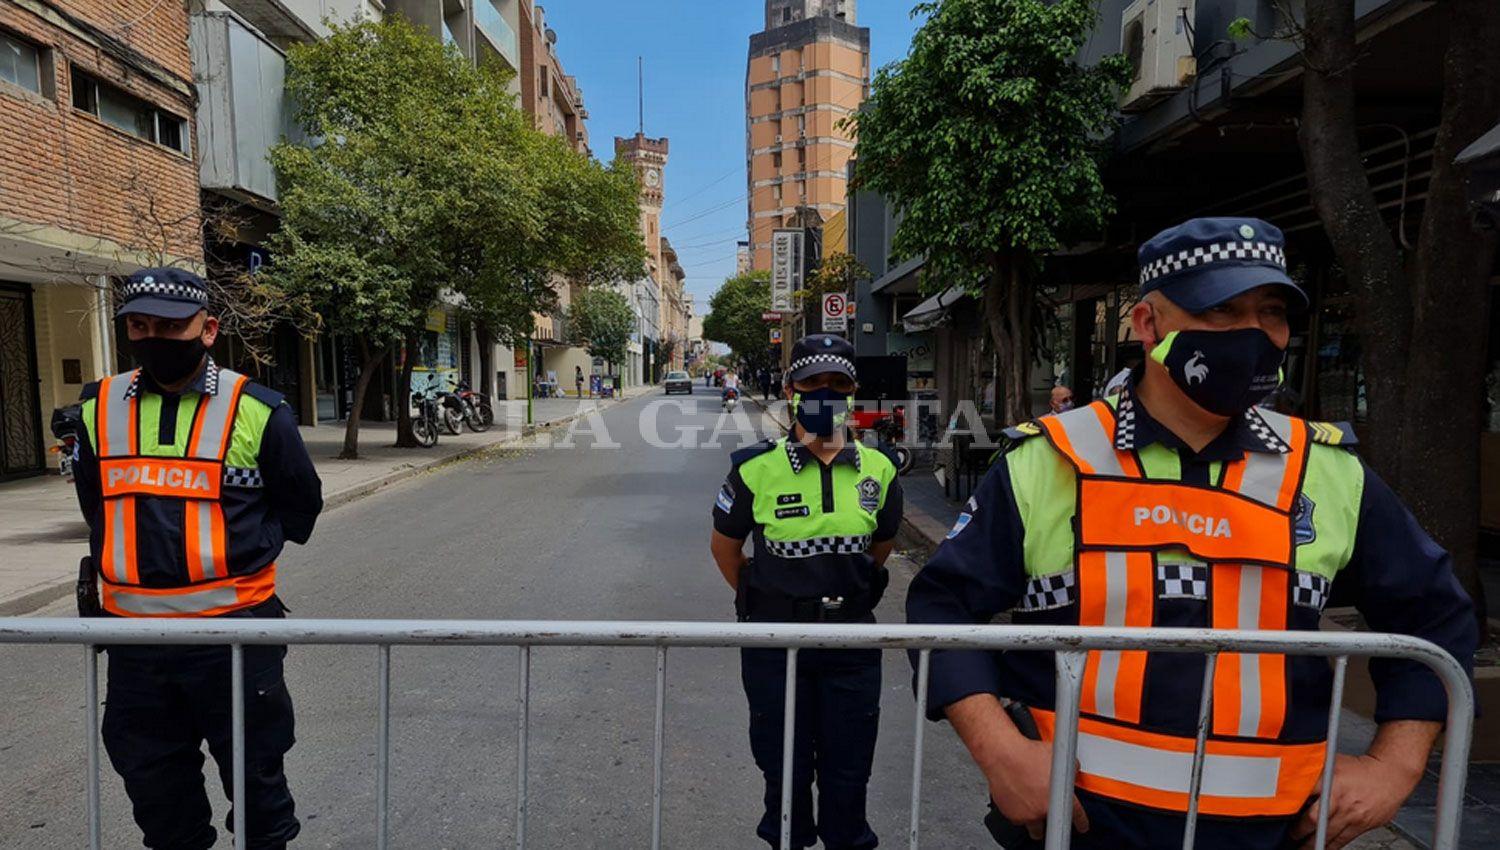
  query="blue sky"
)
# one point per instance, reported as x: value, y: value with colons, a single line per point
x: 694, y: 54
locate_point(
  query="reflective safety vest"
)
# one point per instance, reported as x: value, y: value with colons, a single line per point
x: 196, y: 478
x: 1238, y: 539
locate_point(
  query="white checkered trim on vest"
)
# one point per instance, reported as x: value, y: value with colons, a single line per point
x: 821, y: 358
x: 1049, y: 592
x: 1182, y: 581
x: 1218, y: 252
x: 856, y: 545
x: 235, y: 476
x: 1311, y: 591
x: 160, y: 287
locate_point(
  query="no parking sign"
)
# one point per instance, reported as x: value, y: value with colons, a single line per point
x: 835, y: 317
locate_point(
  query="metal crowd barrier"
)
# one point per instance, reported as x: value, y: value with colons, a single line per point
x: 1070, y: 643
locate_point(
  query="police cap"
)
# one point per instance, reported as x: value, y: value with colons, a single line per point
x: 1205, y: 262
x: 164, y: 293
x: 819, y: 353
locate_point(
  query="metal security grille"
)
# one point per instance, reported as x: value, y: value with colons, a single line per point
x: 1071, y: 645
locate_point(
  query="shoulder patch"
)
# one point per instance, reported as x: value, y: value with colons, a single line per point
x: 1332, y: 433
x: 90, y: 390
x: 263, y: 394
x: 739, y: 456
x: 1021, y: 431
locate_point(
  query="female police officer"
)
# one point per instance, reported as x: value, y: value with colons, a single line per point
x: 823, y: 511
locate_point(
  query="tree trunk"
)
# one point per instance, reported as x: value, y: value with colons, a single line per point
x: 486, y: 359
x: 1442, y: 418
x: 369, y: 362
x: 405, y: 439
x: 1007, y: 311
x: 1362, y: 242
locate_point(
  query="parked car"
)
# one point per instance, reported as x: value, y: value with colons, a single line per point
x: 678, y: 382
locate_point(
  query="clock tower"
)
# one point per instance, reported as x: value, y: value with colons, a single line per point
x: 649, y: 159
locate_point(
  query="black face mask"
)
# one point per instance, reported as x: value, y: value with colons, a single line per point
x: 168, y: 361
x: 1223, y: 372
x: 822, y: 411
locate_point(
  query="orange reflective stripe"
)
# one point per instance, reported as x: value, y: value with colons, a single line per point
x: 209, y: 599
x: 1293, y: 480
x: 1213, y: 525
x: 1250, y: 690
x: 1115, y: 589
x: 1106, y: 418
x: 1244, y: 779
x: 1087, y: 438
x: 215, y: 421
x: 207, y: 544
x: 117, y: 558
x: 1059, y: 436
x: 154, y: 476
x: 101, y: 418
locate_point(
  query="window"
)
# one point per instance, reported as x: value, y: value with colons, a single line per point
x: 127, y: 112
x: 20, y: 63
x: 776, y: 64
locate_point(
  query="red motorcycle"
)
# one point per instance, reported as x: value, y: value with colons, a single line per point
x: 889, y: 428
x: 67, y: 423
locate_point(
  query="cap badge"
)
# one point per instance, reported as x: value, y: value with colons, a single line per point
x: 828, y: 343
x: 1247, y: 231
x: 148, y: 279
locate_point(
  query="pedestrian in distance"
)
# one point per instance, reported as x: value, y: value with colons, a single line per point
x: 191, y: 478
x: 1179, y: 503
x: 821, y: 511
x: 765, y: 384
x: 578, y: 380
x: 1061, y: 400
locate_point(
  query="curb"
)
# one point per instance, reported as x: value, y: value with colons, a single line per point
x: 32, y: 600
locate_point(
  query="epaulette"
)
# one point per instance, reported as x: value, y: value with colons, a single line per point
x: 263, y: 394
x: 90, y: 390
x: 1333, y: 433
x: 740, y: 456
x: 1021, y: 431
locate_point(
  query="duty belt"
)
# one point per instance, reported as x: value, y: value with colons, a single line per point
x: 774, y: 608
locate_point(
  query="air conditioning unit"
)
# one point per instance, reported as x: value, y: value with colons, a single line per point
x: 778, y: 138
x: 1154, y: 37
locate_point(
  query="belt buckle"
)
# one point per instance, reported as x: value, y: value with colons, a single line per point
x: 830, y: 605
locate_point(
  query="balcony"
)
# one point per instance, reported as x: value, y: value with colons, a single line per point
x: 242, y: 109
x: 491, y: 23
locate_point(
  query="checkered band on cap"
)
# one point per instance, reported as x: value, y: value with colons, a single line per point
x: 151, y: 286
x: 1216, y: 253
x: 856, y: 545
x: 812, y: 359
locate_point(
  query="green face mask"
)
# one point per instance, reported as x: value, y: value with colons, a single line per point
x: 822, y: 411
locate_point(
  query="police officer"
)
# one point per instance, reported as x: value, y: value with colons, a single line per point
x: 1178, y: 502
x: 823, y: 511
x: 192, y: 478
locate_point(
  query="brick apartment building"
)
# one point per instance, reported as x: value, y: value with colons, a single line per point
x: 97, y: 179
x: 809, y: 69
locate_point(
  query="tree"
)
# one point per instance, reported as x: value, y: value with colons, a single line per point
x: 429, y: 183
x: 1422, y: 387
x: 836, y: 273
x: 602, y: 320
x: 734, y: 318
x: 988, y: 138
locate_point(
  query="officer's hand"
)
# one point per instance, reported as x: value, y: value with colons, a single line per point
x: 1018, y: 782
x: 1367, y: 792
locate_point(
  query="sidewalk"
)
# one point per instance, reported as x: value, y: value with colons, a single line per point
x: 43, y: 535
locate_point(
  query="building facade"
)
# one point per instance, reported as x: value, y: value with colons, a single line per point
x: 808, y: 70
x: 97, y: 179
x: 648, y: 157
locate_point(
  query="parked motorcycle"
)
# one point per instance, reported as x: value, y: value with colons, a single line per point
x: 424, y: 420
x: 475, y: 407
x: 67, y: 424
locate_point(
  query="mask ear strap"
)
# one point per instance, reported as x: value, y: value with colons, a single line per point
x: 1163, y: 348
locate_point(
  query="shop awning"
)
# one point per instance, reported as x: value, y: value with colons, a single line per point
x: 933, y: 311
x: 901, y: 280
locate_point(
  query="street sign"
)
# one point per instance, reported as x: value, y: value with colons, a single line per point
x: 786, y: 268
x: 770, y: 317
x: 849, y: 310
x: 835, y: 319
x: 775, y: 336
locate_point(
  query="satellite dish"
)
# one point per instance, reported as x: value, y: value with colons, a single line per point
x: 551, y: 35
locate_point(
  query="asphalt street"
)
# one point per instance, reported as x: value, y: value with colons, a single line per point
x: 606, y: 526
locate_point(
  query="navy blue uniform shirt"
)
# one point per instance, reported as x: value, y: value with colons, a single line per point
x: 1397, y: 577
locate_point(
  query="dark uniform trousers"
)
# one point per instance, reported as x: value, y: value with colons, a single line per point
x: 163, y: 703
x: 838, y: 717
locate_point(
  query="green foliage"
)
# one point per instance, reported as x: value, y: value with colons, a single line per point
x: 734, y: 316
x: 429, y: 179
x: 836, y: 273
x: 989, y: 136
x: 1240, y: 29
x: 602, y: 320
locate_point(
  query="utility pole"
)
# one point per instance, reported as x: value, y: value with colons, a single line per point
x: 640, y: 86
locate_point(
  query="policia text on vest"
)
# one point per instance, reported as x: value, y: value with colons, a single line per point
x: 190, y: 497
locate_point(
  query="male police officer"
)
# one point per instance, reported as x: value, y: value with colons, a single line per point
x: 823, y: 510
x: 191, y: 478
x: 1179, y: 503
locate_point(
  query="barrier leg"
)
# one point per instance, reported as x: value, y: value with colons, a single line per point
x: 788, y: 739
x: 661, y: 728
x: 383, y: 753
x: 1205, y: 717
x: 523, y: 706
x: 1335, y: 705
x: 1065, y: 748
x: 924, y: 662
x: 237, y: 732
x: 91, y: 717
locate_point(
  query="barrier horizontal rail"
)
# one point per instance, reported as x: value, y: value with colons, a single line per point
x: 1071, y: 643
